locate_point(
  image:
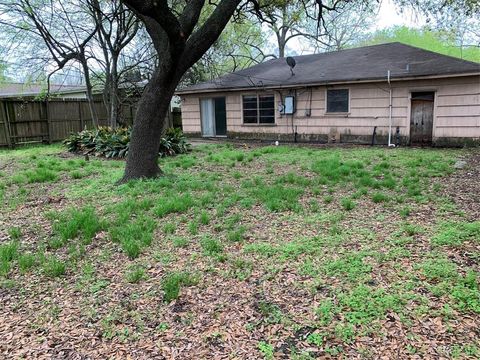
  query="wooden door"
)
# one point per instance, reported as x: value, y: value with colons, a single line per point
x: 421, y: 119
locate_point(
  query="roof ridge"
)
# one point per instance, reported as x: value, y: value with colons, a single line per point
x: 439, y: 54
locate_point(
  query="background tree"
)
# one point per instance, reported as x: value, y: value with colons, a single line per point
x: 345, y: 27
x: 116, y: 28
x: 99, y: 43
x: 60, y: 28
x: 287, y: 20
x: 441, y: 41
x: 240, y: 45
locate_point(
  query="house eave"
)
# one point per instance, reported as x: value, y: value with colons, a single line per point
x: 326, y: 83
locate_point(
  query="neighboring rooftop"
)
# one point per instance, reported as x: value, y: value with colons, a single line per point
x: 32, y: 90
x: 358, y: 64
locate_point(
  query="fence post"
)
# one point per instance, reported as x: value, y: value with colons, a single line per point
x: 80, y: 115
x: 49, y: 123
x: 8, y: 131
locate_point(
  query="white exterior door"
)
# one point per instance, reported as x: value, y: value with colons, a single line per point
x: 207, y: 114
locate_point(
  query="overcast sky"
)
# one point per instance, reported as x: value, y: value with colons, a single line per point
x: 390, y: 16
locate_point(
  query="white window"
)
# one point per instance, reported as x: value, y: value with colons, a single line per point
x: 259, y: 109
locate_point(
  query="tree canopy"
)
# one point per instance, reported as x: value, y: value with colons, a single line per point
x: 440, y: 41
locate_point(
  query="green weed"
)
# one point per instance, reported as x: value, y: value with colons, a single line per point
x: 172, y: 283
x: 455, y: 233
x: 26, y: 262
x: 134, y: 236
x: 193, y: 227
x: 135, y: 274
x: 9, y: 251
x: 347, y: 204
x: 379, y: 197
x: 266, y: 350
x: 179, y: 242
x: 211, y: 246
x: 15, y: 233
x: 83, y: 223
x: 176, y: 203
x: 53, y: 267
x: 169, y: 228
x: 204, y: 218
x: 237, y: 234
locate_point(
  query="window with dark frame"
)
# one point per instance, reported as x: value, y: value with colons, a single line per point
x: 258, y: 109
x: 337, y: 101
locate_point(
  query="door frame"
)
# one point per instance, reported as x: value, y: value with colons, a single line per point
x: 409, y: 109
x: 214, y: 116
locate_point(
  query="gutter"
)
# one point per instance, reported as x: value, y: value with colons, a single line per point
x: 324, y: 83
x: 390, y: 105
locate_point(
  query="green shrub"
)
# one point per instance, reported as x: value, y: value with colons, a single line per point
x: 114, y: 143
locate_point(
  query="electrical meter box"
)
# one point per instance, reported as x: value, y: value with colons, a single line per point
x: 289, y: 105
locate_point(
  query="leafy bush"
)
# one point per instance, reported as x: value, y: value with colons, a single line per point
x: 114, y: 143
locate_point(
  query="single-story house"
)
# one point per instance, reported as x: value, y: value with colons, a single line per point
x: 35, y: 90
x: 400, y: 93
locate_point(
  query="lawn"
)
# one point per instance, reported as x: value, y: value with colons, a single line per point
x: 242, y: 253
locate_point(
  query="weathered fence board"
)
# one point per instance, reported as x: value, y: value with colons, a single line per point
x: 23, y: 121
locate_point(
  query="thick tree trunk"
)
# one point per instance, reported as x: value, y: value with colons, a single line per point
x: 148, y: 127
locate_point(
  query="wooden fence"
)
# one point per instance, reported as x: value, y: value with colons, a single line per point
x: 25, y: 121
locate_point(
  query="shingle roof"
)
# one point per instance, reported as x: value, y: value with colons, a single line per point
x: 28, y: 90
x: 358, y: 64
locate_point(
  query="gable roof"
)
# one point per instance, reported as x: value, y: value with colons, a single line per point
x: 369, y: 63
x: 32, y: 90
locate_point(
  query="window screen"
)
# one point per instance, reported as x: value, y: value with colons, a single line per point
x: 337, y: 101
x: 258, y: 109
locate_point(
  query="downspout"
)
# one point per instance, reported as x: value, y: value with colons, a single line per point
x: 390, y: 112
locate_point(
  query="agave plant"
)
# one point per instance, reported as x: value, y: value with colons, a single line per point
x: 114, y: 143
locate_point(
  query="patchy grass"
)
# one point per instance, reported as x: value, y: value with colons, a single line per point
x: 281, y: 251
